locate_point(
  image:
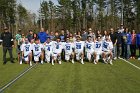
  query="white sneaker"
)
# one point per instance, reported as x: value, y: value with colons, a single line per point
x: 30, y: 63
x: 115, y: 58
x: 119, y: 57
x: 111, y: 62
x: 52, y: 63
x: 72, y: 61
x: 139, y: 58
x: 94, y: 62
x: 82, y: 62
x: 60, y: 62
x: 42, y: 62
x: 20, y: 62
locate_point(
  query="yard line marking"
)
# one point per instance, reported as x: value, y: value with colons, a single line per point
x: 130, y: 63
x: 14, y: 80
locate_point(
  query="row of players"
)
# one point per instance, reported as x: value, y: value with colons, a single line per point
x: 53, y: 49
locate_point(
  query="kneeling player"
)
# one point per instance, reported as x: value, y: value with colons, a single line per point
x: 89, y: 47
x: 48, y: 47
x: 57, y: 50
x: 97, y: 49
x: 107, y: 50
x: 79, y: 49
x: 26, y: 49
x: 37, y: 51
x: 68, y: 48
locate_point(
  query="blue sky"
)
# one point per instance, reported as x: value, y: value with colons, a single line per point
x: 33, y: 5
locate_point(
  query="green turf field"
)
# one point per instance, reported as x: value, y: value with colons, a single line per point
x: 73, y: 78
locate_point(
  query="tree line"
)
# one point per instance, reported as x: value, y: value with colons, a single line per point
x: 72, y: 15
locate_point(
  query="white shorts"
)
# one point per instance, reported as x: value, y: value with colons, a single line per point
x: 26, y: 58
x: 107, y: 52
x: 88, y: 55
x: 78, y: 55
x: 55, y: 55
x: 99, y: 52
x: 67, y: 56
x: 36, y: 57
x: 48, y: 57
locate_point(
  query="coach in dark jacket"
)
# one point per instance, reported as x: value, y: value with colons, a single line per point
x: 7, y: 43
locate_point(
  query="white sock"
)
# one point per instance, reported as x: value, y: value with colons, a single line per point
x: 20, y: 62
x: 72, y: 61
x: 52, y: 62
x: 59, y: 62
x: 42, y: 62
x: 30, y: 63
x: 82, y: 61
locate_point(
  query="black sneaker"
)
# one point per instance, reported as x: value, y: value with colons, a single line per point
x: 12, y: 62
x: 4, y: 63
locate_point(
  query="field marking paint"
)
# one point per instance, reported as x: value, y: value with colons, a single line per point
x: 18, y: 77
x: 130, y: 63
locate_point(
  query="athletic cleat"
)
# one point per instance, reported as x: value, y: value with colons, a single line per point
x: 30, y: 63
x: 72, y: 61
x: 115, y: 58
x: 60, y: 62
x: 42, y: 62
x: 53, y: 64
x: 20, y: 62
x: 111, y: 62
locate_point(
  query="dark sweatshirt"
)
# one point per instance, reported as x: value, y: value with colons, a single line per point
x: 7, y: 39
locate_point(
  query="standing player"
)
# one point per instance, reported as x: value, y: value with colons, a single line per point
x: 89, y: 47
x: 57, y: 50
x: 97, y: 49
x: 26, y: 50
x: 68, y: 48
x: 37, y: 51
x: 79, y: 48
x: 48, y: 47
x: 107, y: 50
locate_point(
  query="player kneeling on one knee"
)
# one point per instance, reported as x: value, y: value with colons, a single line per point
x: 97, y: 49
x: 79, y: 49
x: 107, y: 50
x: 26, y: 49
x: 48, y: 47
x: 89, y: 47
x: 68, y: 48
x: 57, y: 49
x: 37, y: 51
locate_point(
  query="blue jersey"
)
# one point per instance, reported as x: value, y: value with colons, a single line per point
x: 138, y: 39
x: 42, y: 36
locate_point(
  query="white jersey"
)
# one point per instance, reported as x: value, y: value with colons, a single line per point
x: 89, y: 46
x: 48, y: 47
x: 57, y: 48
x: 26, y: 49
x: 107, y: 46
x: 37, y: 49
x: 68, y: 47
x: 79, y: 46
x: 98, y: 46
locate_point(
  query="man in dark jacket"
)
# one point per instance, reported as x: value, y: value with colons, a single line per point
x: 7, y: 43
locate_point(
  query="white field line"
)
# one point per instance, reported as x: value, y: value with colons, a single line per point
x: 14, y: 80
x: 130, y: 63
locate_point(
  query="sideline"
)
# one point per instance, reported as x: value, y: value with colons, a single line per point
x: 130, y: 63
x: 16, y: 78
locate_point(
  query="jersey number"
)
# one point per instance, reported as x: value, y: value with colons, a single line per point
x: 67, y: 47
x: 78, y: 46
x: 27, y: 48
x: 88, y: 46
x: 36, y: 49
x: 48, y: 48
x: 57, y: 46
x: 98, y: 45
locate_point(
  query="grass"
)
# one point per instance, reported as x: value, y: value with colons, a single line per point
x: 73, y: 78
